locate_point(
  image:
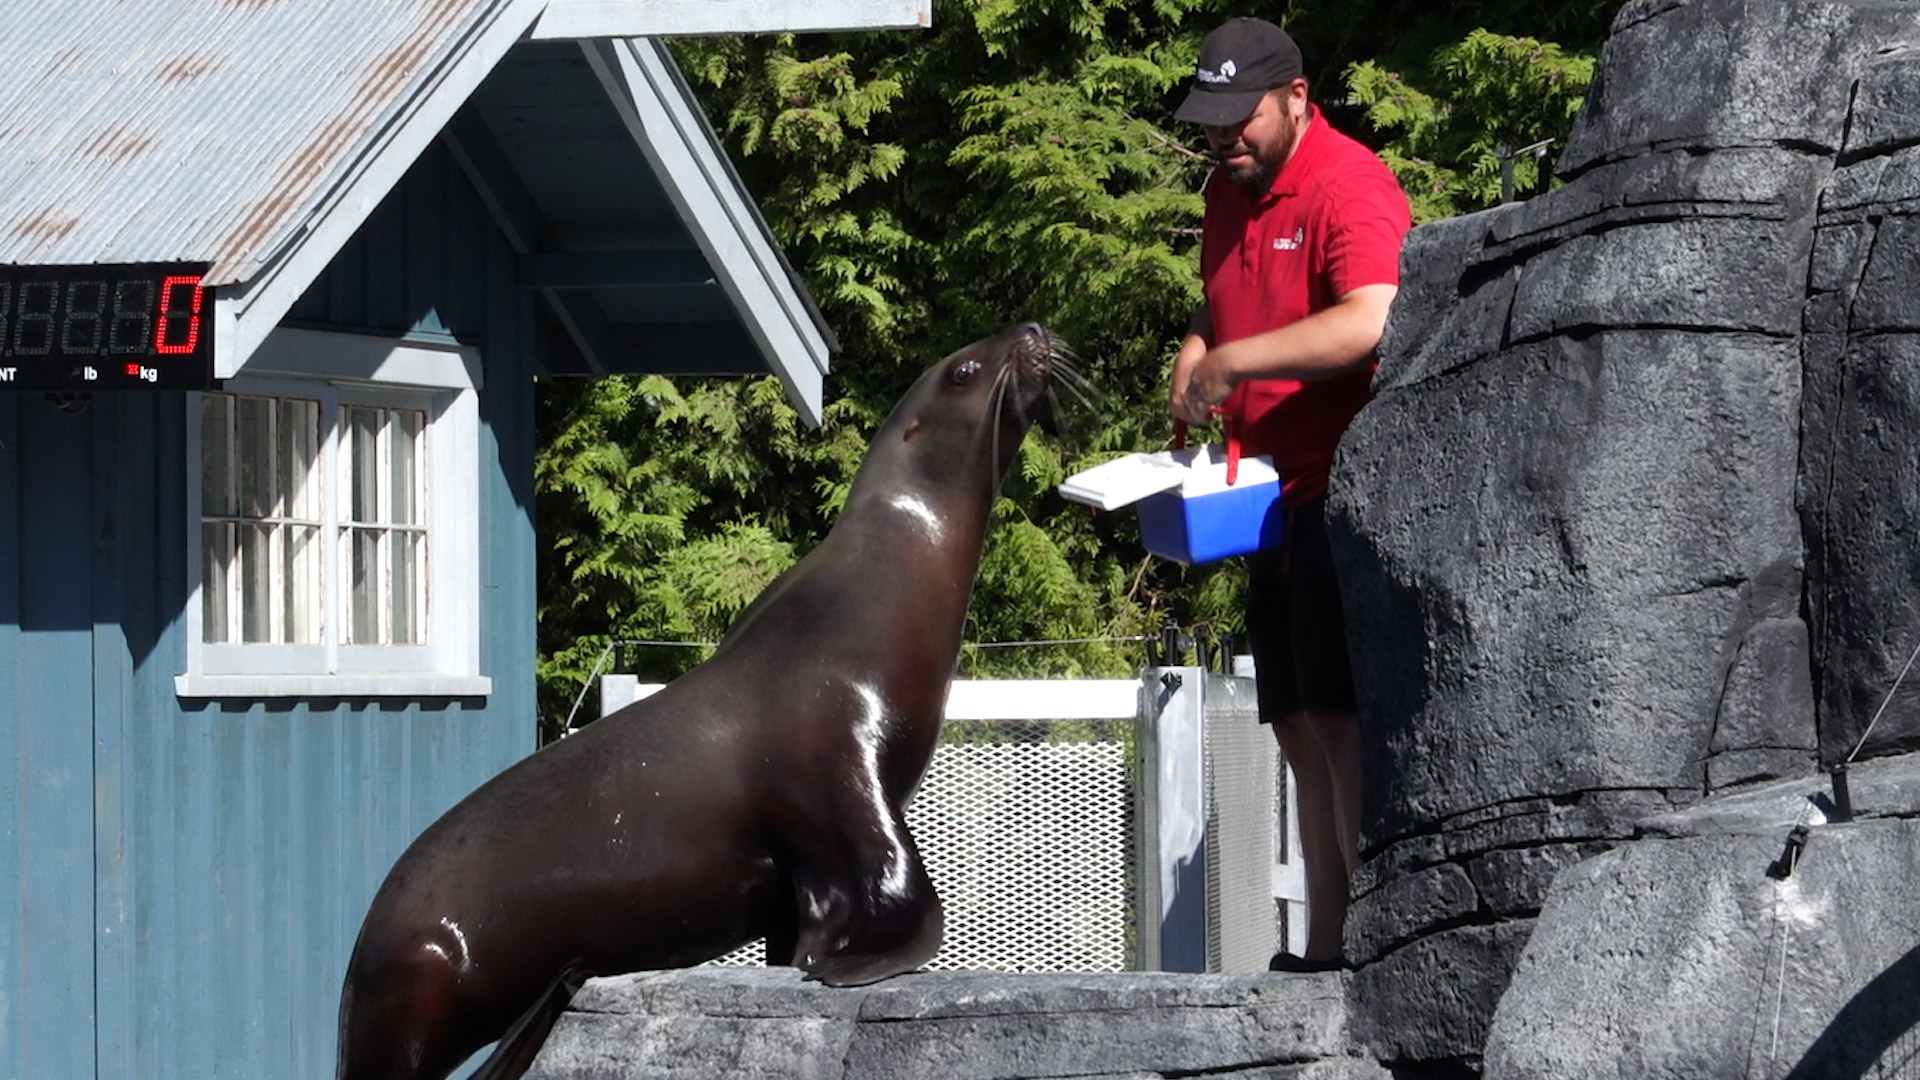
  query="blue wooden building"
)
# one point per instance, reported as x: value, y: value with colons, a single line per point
x: 276, y: 280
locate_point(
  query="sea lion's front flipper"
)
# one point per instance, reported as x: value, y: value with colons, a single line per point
x: 870, y: 917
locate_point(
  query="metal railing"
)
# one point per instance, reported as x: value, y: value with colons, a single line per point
x: 1100, y: 825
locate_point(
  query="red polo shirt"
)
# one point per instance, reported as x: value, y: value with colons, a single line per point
x: 1332, y: 221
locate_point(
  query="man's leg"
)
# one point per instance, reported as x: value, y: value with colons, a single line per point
x: 1322, y: 748
x: 1297, y: 633
x: 1339, y: 734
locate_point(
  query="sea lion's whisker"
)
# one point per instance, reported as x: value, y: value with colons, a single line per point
x: 1001, y: 381
x: 1053, y: 404
x: 1064, y: 371
x: 1080, y: 390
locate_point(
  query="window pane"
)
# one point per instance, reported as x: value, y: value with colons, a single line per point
x: 299, y: 445
x: 407, y: 579
x: 216, y: 560
x: 363, y: 463
x: 406, y: 427
x: 256, y: 588
x: 365, y: 548
x: 216, y: 455
x: 256, y: 455
x: 300, y: 585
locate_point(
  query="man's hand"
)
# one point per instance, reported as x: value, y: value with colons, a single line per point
x: 1328, y: 343
x: 1189, y: 356
x: 1208, y: 384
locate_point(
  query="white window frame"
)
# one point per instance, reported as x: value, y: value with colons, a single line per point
x: 334, y: 368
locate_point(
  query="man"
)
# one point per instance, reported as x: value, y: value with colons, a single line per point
x: 1300, y: 258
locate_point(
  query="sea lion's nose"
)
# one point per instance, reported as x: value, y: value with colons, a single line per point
x: 1032, y: 342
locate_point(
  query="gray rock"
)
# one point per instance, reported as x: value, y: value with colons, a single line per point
x: 1762, y: 183
x: 1513, y: 881
x: 1435, y: 331
x: 951, y: 1026
x: 1604, y: 814
x: 1730, y: 769
x: 1730, y: 73
x: 1558, y: 583
x: 1862, y: 511
x: 1407, y: 906
x: 1860, y: 503
x: 1887, y: 787
x: 1729, y: 273
x: 1768, y: 701
x: 1885, y: 301
x: 1862, y: 189
x: 1433, y: 1000
x: 1624, y: 524
x: 1683, y: 958
x: 1882, y: 113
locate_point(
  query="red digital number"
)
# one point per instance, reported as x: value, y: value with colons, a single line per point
x: 168, y: 314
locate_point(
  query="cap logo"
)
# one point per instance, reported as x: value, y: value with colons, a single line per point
x: 1225, y: 74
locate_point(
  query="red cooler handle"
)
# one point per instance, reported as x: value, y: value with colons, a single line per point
x: 1226, y: 429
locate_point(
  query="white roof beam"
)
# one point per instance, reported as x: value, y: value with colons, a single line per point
x: 246, y: 313
x: 679, y: 18
x: 656, y: 108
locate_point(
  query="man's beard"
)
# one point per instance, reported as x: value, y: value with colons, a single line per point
x: 1256, y: 176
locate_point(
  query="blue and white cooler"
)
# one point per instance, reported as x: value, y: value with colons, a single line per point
x: 1197, y: 504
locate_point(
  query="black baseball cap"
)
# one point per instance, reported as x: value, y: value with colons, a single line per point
x: 1239, y: 62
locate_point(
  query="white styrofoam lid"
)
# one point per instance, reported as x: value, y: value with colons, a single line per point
x: 1196, y: 470
x: 1125, y: 480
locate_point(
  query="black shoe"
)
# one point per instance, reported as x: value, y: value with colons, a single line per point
x: 1303, y: 966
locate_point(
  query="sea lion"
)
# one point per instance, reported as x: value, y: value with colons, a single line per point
x: 758, y: 795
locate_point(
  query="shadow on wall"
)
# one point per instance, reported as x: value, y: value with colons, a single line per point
x: 1877, y: 1033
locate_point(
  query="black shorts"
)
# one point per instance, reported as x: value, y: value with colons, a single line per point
x: 1295, y: 628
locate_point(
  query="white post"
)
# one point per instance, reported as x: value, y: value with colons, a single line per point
x: 1172, y: 842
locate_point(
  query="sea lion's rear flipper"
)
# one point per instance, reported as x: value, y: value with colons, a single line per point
x: 514, y: 1054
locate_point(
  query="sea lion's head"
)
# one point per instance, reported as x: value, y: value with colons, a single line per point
x: 971, y: 410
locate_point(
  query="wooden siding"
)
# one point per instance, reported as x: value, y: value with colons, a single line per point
x: 203, y: 891
x: 46, y: 866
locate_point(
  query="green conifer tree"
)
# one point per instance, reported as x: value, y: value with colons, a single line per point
x: 1016, y: 161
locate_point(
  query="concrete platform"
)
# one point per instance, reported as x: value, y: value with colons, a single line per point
x: 747, y: 1023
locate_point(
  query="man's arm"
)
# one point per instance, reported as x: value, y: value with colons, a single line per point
x: 1199, y: 333
x: 1325, y: 344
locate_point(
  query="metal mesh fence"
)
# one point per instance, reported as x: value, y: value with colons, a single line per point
x: 1241, y: 762
x: 1027, y: 829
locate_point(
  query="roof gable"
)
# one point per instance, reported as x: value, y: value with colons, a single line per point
x: 182, y: 131
x: 257, y: 137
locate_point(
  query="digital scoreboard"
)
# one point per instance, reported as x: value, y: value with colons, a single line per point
x: 134, y: 326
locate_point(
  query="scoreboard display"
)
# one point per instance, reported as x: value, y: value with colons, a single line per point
x: 138, y: 326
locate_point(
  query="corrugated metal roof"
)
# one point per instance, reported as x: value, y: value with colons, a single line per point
x: 202, y: 130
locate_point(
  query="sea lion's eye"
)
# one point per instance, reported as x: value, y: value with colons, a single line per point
x: 964, y: 372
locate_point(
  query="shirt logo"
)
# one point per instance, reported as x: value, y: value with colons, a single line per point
x: 1282, y: 243
x: 1225, y: 74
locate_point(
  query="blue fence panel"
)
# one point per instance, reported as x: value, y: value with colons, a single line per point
x: 49, y: 806
x: 242, y: 840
